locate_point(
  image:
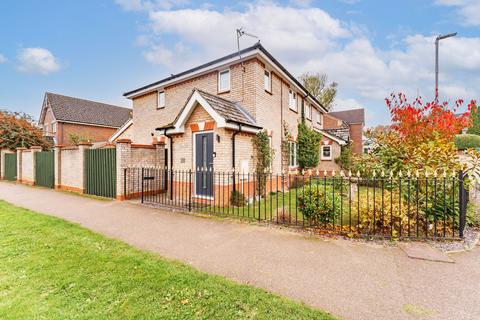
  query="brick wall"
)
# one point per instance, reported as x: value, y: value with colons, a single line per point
x: 71, y: 169
x: 356, y: 135
x: 92, y: 133
x: 28, y: 174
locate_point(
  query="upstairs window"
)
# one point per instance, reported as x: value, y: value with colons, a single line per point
x: 318, y: 117
x: 161, y: 99
x: 292, y: 100
x: 224, y: 80
x: 267, y: 81
x: 308, y: 111
x: 54, y: 127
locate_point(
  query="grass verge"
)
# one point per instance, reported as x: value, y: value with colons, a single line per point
x: 53, y: 269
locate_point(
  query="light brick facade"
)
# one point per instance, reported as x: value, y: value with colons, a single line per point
x: 269, y: 108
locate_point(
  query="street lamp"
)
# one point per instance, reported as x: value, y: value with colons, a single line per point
x: 437, y: 41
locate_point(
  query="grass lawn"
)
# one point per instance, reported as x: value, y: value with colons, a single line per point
x: 52, y: 269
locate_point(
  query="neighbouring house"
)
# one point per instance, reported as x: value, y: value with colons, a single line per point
x: 208, y: 115
x: 63, y: 116
x: 347, y: 124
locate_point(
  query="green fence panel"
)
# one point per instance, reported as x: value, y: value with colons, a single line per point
x: 100, y: 172
x: 45, y: 169
x: 11, y: 166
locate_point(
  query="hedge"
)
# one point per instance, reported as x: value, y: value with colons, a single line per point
x: 466, y: 141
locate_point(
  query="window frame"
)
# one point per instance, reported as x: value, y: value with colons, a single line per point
x: 268, y: 88
x: 54, y: 127
x: 292, y: 100
x: 322, y: 156
x: 319, y: 117
x: 219, y: 82
x: 293, y: 151
x: 308, y: 108
x: 159, y: 93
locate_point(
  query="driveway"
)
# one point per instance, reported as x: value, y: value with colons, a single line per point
x: 350, y: 279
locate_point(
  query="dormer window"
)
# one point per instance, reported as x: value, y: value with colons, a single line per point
x: 161, y: 99
x: 318, y: 117
x: 267, y: 81
x: 292, y: 100
x: 224, y: 80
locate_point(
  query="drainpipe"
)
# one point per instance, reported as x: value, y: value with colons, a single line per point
x: 233, y: 153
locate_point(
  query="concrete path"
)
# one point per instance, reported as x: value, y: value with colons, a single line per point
x: 349, y: 279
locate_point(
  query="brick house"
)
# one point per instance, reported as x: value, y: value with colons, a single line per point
x: 208, y: 115
x: 62, y: 116
x: 348, y: 124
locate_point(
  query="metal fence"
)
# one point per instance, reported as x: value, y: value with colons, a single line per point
x: 409, y: 206
x: 45, y: 169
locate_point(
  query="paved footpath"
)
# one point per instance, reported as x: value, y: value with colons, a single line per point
x: 349, y: 279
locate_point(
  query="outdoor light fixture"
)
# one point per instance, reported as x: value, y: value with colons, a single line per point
x: 437, y: 41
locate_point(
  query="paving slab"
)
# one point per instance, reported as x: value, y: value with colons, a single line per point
x: 424, y: 251
x: 350, y: 279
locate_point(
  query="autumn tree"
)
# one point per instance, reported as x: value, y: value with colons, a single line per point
x: 317, y: 85
x: 18, y: 129
x: 474, y: 118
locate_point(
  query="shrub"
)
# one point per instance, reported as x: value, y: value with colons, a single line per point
x: 467, y: 141
x: 317, y: 206
x: 345, y: 158
x: 237, y: 198
x: 308, y: 147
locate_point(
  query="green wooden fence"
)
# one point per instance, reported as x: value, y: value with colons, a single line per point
x: 11, y: 166
x: 100, y: 172
x: 45, y: 169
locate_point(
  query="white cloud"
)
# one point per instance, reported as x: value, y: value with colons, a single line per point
x: 309, y: 39
x: 467, y: 10
x: 345, y: 104
x: 2, y: 59
x: 37, y: 60
x: 140, y: 5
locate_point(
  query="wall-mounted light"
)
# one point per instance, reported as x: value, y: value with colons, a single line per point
x: 218, y: 138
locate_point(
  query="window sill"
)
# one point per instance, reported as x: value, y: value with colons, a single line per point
x: 223, y: 91
x: 293, y: 110
x: 269, y: 92
x: 326, y: 159
x: 160, y: 108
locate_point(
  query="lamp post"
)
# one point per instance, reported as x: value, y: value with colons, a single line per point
x: 437, y: 41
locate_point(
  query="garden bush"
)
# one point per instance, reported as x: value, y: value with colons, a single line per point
x: 318, y: 204
x: 237, y: 199
x: 467, y: 141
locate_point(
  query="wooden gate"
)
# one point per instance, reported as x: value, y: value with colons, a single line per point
x: 100, y: 172
x: 11, y: 166
x: 45, y: 169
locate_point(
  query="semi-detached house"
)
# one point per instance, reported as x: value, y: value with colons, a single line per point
x: 208, y: 115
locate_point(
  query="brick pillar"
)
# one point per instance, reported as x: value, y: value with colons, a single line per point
x: 34, y: 149
x: 159, y: 154
x: 58, y: 166
x: 20, y: 163
x: 124, y: 151
x: 82, y: 148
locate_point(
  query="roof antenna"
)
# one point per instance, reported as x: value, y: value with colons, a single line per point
x: 240, y: 33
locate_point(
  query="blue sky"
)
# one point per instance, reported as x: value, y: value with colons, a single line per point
x: 99, y: 49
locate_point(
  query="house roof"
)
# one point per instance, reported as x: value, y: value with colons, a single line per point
x: 70, y: 109
x: 350, y: 116
x: 229, y: 110
x: 215, y: 62
x: 224, y: 112
x: 331, y: 136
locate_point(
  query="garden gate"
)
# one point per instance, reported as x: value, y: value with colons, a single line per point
x: 11, y: 166
x: 100, y: 172
x: 45, y: 169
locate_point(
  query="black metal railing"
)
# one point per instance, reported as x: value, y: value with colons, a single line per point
x: 389, y: 206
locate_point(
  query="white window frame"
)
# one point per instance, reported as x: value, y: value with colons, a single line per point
x: 322, y: 156
x: 308, y: 108
x: 161, y: 104
x: 293, y: 150
x: 319, y: 117
x: 220, y: 73
x: 54, y: 127
x: 292, y: 100
x: 267, y: 76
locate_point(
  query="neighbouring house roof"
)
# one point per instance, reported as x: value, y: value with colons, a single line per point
x: 342, y: 133
x: 350, y: 116
x: 255, y: 49
x: 226, y: 113
x: 327, y: 133
x: 76, y: 110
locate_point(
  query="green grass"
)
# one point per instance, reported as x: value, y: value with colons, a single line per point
x: 52, y: 269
